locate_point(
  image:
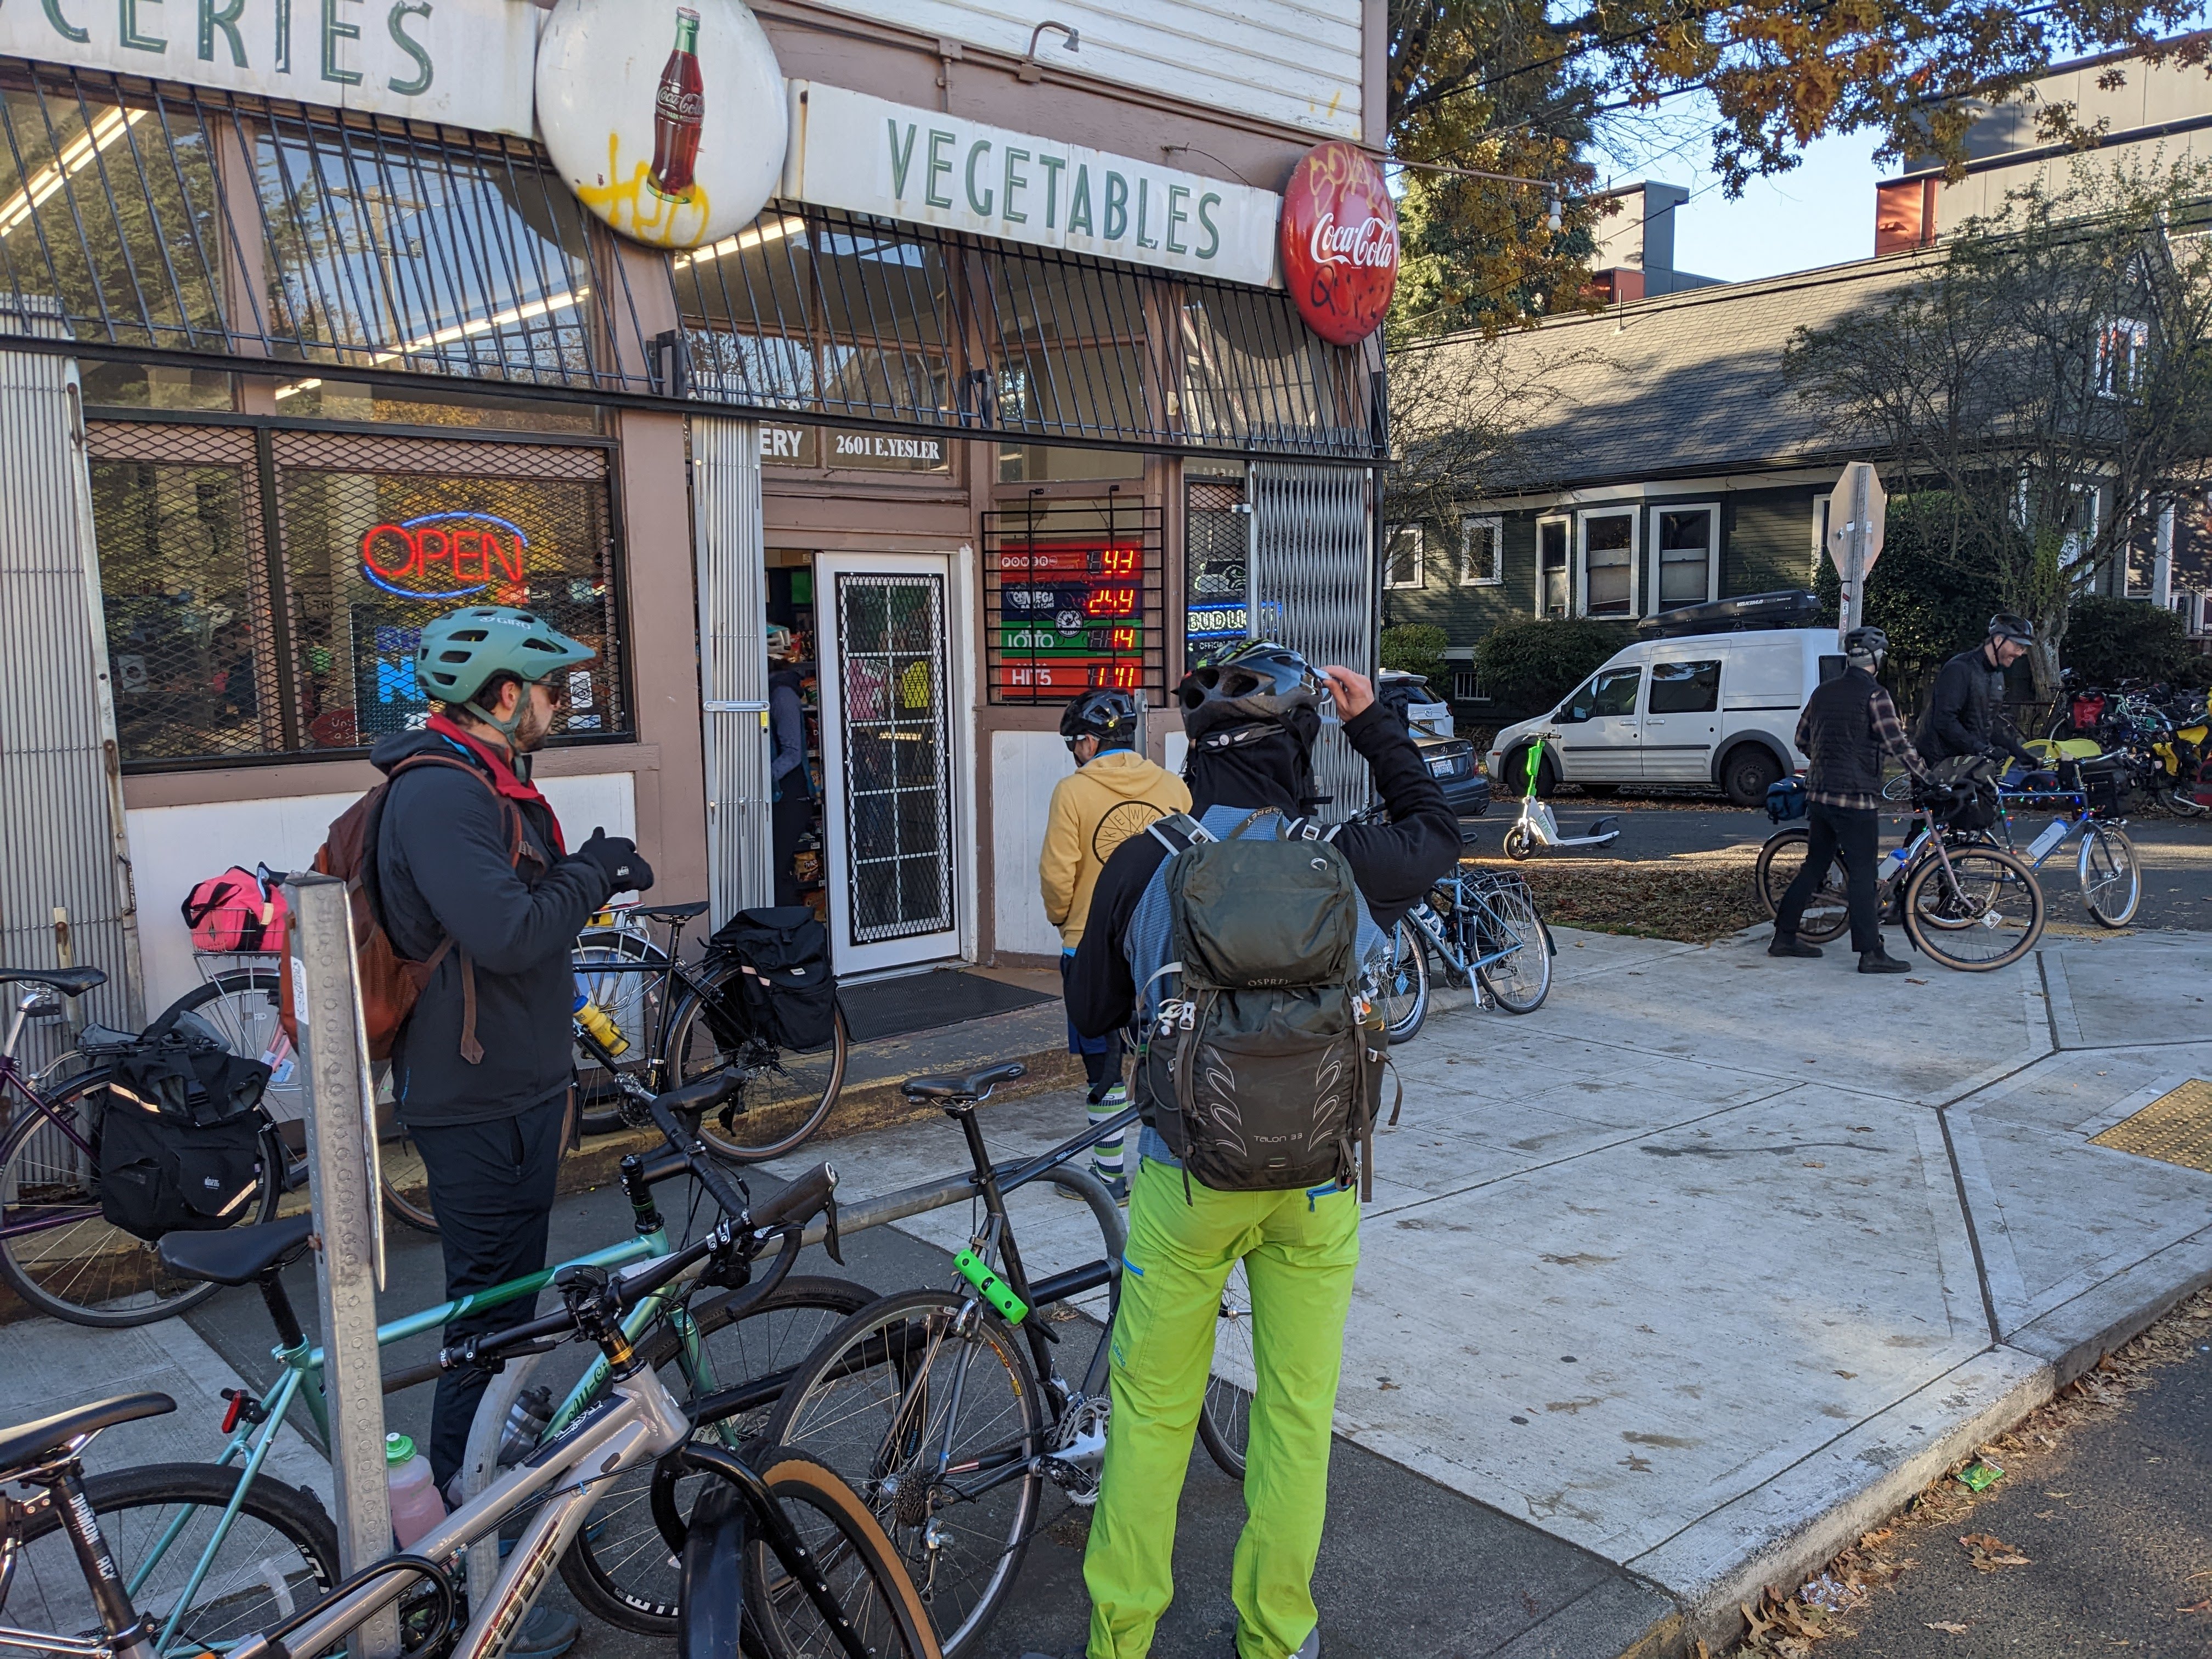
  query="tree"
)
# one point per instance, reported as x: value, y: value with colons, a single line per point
x: 2051, y: 374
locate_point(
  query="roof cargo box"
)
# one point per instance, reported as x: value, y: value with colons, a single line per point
x: 1789, y: 608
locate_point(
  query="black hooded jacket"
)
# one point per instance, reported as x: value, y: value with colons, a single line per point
x: 1965, y: 711
x: 1395, y: 864
x: 442, y: 869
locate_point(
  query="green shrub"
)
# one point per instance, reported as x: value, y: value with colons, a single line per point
x: 1418, y: 648
x: 1525, y: 667
x: 1932, y: 603
x: 2108, y: 641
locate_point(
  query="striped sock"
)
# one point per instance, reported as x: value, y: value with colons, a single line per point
x: 1106, y: 1156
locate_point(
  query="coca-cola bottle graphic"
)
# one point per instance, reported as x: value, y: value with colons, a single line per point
x: 676, y: 109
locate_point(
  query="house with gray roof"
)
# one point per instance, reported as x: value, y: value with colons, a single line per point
x: 1661, y: 462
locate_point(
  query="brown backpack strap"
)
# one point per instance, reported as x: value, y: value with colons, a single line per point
x: 518, y: 847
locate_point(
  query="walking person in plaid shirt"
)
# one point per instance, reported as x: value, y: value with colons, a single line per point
x: 1849, y: 729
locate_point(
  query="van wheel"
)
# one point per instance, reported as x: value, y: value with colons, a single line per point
x: 1516, y: 775
x: 1747, y: 774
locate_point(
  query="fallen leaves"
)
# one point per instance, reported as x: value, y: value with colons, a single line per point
x: 1949, y: 1627
x: 1691, y: 900
x: 1988, y: 1553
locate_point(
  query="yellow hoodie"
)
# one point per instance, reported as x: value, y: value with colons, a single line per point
x: 1093, y: 812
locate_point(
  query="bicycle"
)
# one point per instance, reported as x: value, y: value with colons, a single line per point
x: 2105, y: 863
x: 751, y: 1573
x: 686, y: 1027
x: 1484, y: 927
x: 928, y: 1402
x: 1965, y: 901
x: 715, y: 1348
x: 58, y: 1251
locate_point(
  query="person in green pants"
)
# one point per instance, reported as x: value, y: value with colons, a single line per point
x: 1252, y: 721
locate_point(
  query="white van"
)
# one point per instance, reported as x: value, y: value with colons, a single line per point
x: 1695, y: 710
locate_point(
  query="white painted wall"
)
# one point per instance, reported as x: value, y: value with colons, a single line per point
x: 173, y: 848
x: 1292, y: 61
x: 1024, y: 766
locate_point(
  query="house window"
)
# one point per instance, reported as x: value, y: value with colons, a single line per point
x: 2123, y: 344
x: 1482, y: 553
x: 1404, y: 567
x: 1819, y: 538
x: 1552, y: 580
x: 1688, y: 539
x: 1609, y: 579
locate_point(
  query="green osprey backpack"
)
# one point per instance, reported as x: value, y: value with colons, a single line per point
x: 1263, y: 1068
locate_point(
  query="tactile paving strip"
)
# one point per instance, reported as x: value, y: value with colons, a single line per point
x: 2175, y: 1128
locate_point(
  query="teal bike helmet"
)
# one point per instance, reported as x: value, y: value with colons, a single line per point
x: 460, y: 653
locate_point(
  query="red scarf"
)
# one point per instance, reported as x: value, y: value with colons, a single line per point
x: 502, y: 774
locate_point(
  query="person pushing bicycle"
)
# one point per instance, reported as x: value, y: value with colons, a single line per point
x: 1849, y: 728
x: 1252, y: 720
x: 474, y: 881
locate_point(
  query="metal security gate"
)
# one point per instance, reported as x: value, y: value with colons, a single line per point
x: 65, y: 860
x: 887, y: 707
x: 1313, y: 587
x: 725, y: 512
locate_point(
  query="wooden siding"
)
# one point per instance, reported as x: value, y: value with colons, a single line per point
x: 1293, y: 61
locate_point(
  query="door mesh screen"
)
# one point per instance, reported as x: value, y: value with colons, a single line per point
x: 898, y: 796
x: 1313, y: 587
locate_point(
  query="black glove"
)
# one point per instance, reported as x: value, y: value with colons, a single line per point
x: 616, y: 857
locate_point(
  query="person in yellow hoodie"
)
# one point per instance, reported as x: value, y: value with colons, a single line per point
x: 1113, y: 793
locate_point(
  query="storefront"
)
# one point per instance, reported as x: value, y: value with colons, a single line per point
x: 984, y: 417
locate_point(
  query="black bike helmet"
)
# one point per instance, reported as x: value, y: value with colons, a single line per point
x: 1868, y: 642
x: 1258, y: 683
x: 2017, y: 630
x: 1108, y: 715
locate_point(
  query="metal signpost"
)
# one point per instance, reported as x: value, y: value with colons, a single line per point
x: 1855, y: 515
x: 343, y: 1184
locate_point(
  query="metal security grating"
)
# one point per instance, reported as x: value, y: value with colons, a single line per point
x: 2175, y: 1128
x: 265, y: 587
x: 1072, y: 599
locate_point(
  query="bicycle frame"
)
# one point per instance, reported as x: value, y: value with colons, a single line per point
x: 1425, y: 917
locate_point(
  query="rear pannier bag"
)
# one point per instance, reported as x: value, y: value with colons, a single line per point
x: 181, y: 1136
x: 237, y: 912
x: 783, y: 985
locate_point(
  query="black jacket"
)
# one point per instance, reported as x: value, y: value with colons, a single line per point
x: 1840, y: 739
x: 1965, y: 711
x: 1394, y: 864
x: 442, y: 868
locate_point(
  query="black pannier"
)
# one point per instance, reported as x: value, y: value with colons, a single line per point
x: 783, y: 986
x: 179, y: 1141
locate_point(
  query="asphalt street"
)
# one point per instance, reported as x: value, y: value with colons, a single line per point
x: 2114, y: 1531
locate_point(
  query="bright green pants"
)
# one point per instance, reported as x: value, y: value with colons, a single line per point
x: 1299, y: 1251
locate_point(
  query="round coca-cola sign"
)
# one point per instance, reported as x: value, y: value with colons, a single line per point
x: 1340, y: 241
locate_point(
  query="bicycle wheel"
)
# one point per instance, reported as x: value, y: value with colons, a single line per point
x: 786, y: 1095
x: 58, y: 1251
x: 630, y: 1000
x: 1401, y: 981
x: 1828, y: 914
x: 877, y: 1401
x: 406, y: 1194
x: 1224, y: 1422
x: 279, y: 1558
x: 1520, y: 980
x: 1974, y: 909
x: 850, y: 1547
x: 619, y: 1569
x: 2111, y: 878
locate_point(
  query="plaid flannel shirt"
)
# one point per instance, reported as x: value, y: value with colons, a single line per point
x: 1894, y: 746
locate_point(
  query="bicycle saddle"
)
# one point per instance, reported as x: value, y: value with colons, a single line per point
x: 37, y: 1443
x: 69, y: 982
x: 239, y: 1255
x: 669, y: 912
x: 971, y: 1087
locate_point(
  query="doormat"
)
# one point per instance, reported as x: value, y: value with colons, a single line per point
x: 922, y: 1002
x: 2175, y: 1128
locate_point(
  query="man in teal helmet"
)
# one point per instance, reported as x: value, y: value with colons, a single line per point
x: 473, y: 879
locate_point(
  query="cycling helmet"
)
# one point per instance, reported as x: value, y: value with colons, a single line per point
x: 1110, y: 716
x: 2017, y: 630
x: 1870, y: 643
x: 461, y: 652
x: 1258, y: 683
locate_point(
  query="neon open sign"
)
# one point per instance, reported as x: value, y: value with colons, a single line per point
x: 474, y: 549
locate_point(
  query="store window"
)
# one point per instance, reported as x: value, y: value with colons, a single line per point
x: 311, y: 398
x: 1689, y: 546
x: 1072, y: 599
x: 1608, y: 582
x: 151, y: 385
x: 1217, y: 547
x: 225, y: 647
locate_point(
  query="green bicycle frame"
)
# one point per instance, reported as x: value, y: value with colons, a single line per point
x: 301, y: 1379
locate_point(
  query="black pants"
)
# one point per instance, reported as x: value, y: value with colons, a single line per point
x: 788, y: 819
x: 491, y: 1185
x: 1837, y: 833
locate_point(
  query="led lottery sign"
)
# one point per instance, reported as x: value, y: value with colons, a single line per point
x: 444, y: 556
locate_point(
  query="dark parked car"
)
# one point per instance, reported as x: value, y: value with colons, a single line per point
x: 1454, y: 764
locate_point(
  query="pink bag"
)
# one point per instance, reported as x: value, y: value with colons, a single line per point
x: 240, y: 910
